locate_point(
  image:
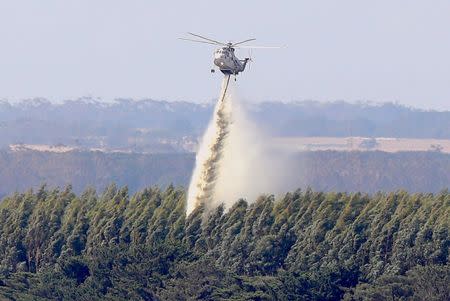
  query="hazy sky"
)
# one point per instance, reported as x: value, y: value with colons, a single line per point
x: 383, y: 50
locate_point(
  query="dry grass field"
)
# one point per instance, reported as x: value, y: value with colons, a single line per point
x: 363, y: 144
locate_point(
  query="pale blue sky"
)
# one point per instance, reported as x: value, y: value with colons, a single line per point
x: 383, y: 50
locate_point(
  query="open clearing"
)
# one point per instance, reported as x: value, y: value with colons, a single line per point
x: 364, y: 144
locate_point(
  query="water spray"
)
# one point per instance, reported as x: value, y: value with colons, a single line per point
x: 201, y: 188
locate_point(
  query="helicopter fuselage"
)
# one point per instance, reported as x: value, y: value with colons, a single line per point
x: 224, y: 57
x: 228, y: 63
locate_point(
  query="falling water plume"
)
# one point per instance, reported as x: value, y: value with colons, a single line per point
x: 201, y: 188
x: 236, y: 160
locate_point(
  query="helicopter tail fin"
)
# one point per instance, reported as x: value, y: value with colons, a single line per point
x: 244, y: 63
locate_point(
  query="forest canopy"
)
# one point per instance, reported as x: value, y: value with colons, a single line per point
x: 306, y: 245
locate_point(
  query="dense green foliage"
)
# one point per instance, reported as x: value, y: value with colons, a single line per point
x: 305, y: 246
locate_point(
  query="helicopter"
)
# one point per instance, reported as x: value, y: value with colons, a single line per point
x: 224, y: 57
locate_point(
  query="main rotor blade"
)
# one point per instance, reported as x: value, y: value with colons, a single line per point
x: 192, y: 40
x: 199, y: 36
x: 245, y: 41
x: 260, y: 47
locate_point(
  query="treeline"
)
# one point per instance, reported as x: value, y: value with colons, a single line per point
x: 322, y: 170
x: 162, y: 126
x: 304, y: 246
x: 24, y: 169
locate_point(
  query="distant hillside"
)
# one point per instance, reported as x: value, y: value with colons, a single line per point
x: 25, y: 169
x: 153, y: 126
x: 323, y: 170
x: 160, y: 126
x: 342, y: 119
x: 377, y: 171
